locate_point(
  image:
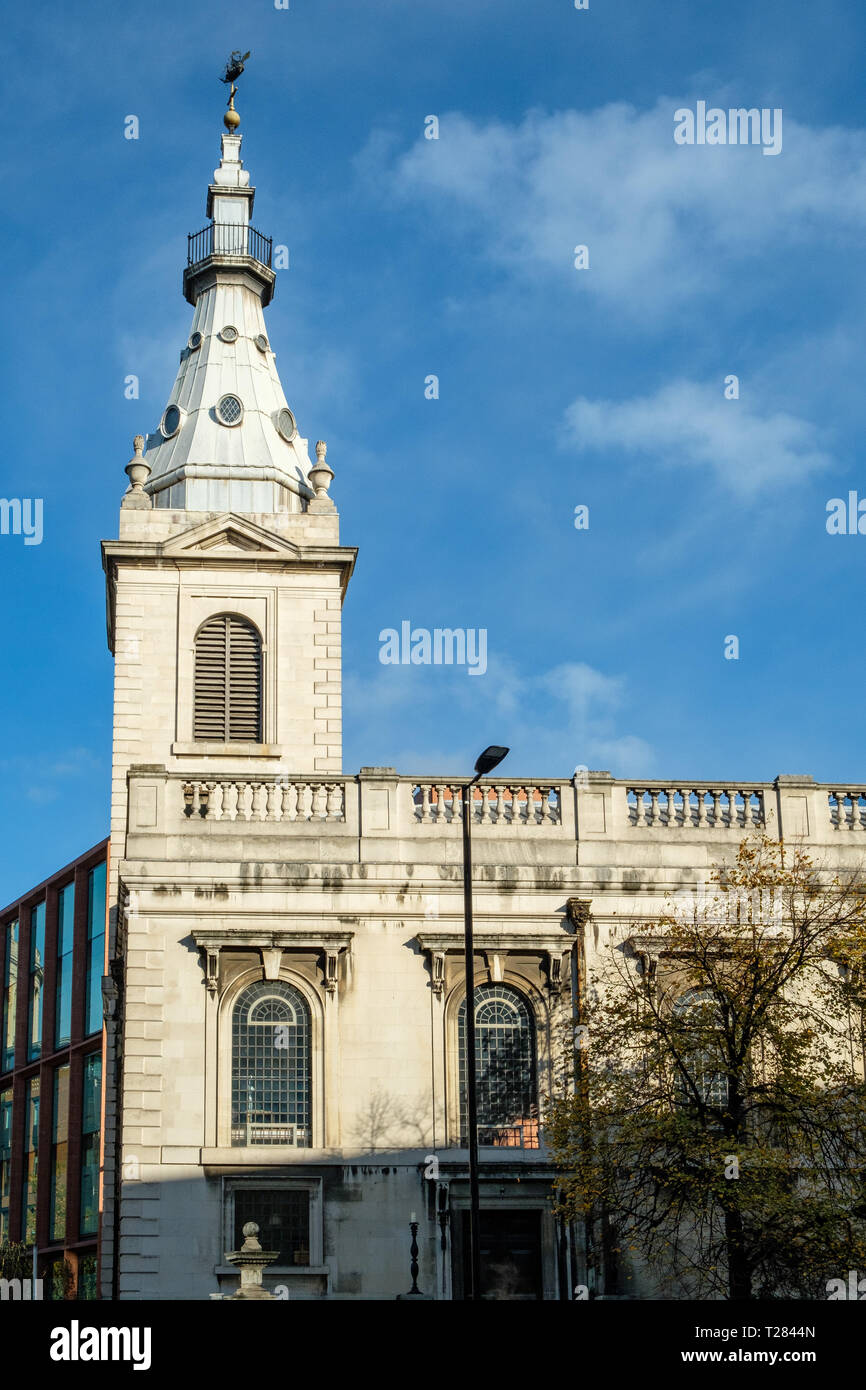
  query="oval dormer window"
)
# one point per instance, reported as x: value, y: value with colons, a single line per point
x: 170, y: 422
x: 261, y: 342
x: 286, y: 424
x: 229, y: 410
x: 194, y: 342
x: 229, y: 334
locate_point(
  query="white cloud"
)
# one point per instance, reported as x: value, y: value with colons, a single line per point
x: 552, y: 721
x: 663, y: 222
x: 691, y: 425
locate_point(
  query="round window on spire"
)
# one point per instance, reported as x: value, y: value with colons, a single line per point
x: 229, y: 334
x: 261, y: 342
x: 194, y: 342
x: 285, y: 422
x: 170, y: 422
x: 229, y: 410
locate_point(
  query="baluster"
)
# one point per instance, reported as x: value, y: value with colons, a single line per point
x: 517, y: 802
x: 654, y: 817
x: 672, y: 807
x: 216, y: 801
x: 305, y: 801
x: 230, y: 800
x: 856, y: 817
x: 500, y: 804
x: 485, y: 805
x: 441, y: 817
x: 717, y: 807
x: 702, y: 809
x: 245, y: 800
x: 274, y: 801
x: 731, y: 812
x: 290, y: 801
x: 319, y: 808
x: 545, y: 805
x: 760, y: 796
x: 748, y: 823
x: 456, y: 804
x: 425, y: 804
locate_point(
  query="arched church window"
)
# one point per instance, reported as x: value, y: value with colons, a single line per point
x: 271, y: 1068
x: 700, y: 1049
x: 228, y: 681
x: 506, y: 1076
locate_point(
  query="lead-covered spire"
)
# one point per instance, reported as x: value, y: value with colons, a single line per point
x: 227, y: 440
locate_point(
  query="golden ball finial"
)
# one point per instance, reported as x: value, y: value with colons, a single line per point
x: 231, y: 119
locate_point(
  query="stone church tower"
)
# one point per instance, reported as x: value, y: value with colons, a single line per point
x: 225, y: 591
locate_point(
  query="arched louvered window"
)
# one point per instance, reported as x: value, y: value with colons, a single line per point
x: 228, y: 681
x: 505, y: 1068
x: 271, y: 1074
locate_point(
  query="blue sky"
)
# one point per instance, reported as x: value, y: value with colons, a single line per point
x: 558, y: 387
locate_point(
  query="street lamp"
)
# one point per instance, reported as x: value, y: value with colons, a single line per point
x: 487, y: 761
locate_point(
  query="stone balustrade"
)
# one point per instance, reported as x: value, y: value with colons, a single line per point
x: 281, y: 799
x: 673, y: 807
x: 440, y: 803
x: 384, y: 810
x: 847, y: 808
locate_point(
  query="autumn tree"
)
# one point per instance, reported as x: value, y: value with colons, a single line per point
x: 717, y: 1114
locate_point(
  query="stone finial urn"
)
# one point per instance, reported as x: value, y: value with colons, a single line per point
x: 251, y: 1260
x: 138, y: 472
x: 321, y: 477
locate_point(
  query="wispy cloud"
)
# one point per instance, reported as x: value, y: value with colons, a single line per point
x: 552, y: 720
x: 691, y: 425
x: 664, y: 223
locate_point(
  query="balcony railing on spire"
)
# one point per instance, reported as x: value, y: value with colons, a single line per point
x: 229, y: 239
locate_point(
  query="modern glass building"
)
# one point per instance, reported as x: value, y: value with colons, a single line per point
x: 52, y: 960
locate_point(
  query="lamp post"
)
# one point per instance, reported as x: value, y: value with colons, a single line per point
x: 487, y: 761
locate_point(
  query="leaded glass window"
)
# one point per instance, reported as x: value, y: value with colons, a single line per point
x: 701, y: 1054
x: 505, y: 1068
x: 271, y: 1081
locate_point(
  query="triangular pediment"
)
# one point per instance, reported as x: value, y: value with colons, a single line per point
x: 230, y: 534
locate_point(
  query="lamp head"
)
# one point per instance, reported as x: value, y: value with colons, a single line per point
x: 489, y: 759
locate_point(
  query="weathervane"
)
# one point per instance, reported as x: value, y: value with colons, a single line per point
x: 234, y: 68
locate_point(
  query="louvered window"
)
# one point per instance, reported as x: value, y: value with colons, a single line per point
x: 228, y: 681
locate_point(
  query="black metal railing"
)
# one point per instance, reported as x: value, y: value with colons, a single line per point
x: 228, y: 239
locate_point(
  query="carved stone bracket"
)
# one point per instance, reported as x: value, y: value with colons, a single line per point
x: 437, y: 963
x: 577, y: 911
x: 332, y: 959
x: 212, y: 969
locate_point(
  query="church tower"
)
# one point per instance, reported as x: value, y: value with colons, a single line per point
x: 224, y: 596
